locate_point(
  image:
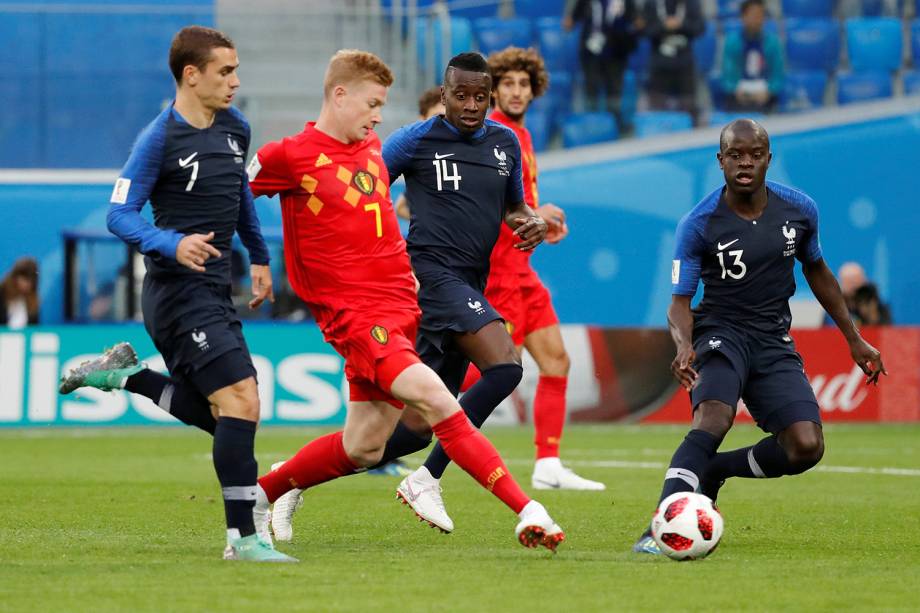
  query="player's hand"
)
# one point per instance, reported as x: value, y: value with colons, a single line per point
x: 682, y: 368
x: 531, y: 231
x: 869, y: 360
x: 261, y: 285
x: 195, y: 249
x: 554, y: 217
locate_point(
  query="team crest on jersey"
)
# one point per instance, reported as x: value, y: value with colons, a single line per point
x: 365, y: 182
x: 789, y: 233
x: 502, y: 158
x: 380, y: 334
x: 234, y: 146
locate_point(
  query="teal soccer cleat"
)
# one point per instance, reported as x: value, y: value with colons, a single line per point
x: 253, y: 549
x: 647, y: 544
x: 106, y: 372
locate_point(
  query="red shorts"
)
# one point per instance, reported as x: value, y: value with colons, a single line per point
x: 523, y: 301
x: 377, y: 347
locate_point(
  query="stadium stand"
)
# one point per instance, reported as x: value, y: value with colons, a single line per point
x: 704, y: 49
x: 874, y: 43
x: 653, y: 123
x: 804, y: 90
x: 808, y: 8
x: 912, y: 82
x: 863, y: 86
x: 461, y: 39
x: 493, y: 34
x: 558, y: 47
x: 812, y: 44
x: 588, y: 128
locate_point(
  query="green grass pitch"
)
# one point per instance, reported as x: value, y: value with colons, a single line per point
x: 130, y: 520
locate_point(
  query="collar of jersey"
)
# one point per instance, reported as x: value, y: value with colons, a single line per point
x: 477, y: 134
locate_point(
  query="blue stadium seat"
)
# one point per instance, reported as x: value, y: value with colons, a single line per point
x: 558, y: 47
x: 78, y: 104
x: 652, y: 123
x: 721, y: 118
x: 912, y: 83
x: 874, y: 43
x: 21, y: 122
x: 812, y: 44
x: 461, y: 33
x: 588, y: 128
x: 729, y: 9
x: 704, y: 49
x: 540, y: 125
x: 714, y: 82
x: 862, y: 86
x: 808, y: 8
x: 560, y: 91
x: 638, y: 59
x: 882, y: 8
x: 20, y: 44
x: 493, y: 34
x: 538, y: 8
x: 915, y: 42
x: 804, y: 90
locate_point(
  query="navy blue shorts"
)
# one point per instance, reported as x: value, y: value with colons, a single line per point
x: 765, y: 370
x: 451, y: 302
x: 195, y: 328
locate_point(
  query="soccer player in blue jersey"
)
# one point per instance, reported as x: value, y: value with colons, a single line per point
x: 742, y: 240
x: 463, y: 177
x: 189, y: 163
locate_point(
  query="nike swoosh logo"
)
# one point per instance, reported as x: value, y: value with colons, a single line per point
x: 721, y: 246
x: 438, y: 156
x: 548, y: 484
x: 186, y: 161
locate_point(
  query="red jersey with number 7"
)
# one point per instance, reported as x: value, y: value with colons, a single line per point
x: 342, y: 243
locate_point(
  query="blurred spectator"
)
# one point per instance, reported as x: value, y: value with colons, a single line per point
x: 609, y: 33
x: 671, y: 26
x: 19, y: 304
x: 870, y: 310
x: 752, y: 63
x: 851, y: 277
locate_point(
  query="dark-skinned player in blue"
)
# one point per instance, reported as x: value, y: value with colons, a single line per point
x: 742, y: 240
x: 463, y: 177
x: 189, y: 163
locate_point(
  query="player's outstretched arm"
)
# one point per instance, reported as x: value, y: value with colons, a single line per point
x: 527, y: 225
x: 827, y: 291
x: 680, y: 323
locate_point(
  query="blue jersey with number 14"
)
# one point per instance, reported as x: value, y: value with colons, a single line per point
x: 747, y: 266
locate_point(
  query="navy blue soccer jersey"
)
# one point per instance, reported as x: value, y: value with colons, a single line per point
x: 459, y: 187
x: 747, y: 267
x: 196, y: 183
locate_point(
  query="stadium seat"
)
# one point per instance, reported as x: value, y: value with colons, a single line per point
x: 912, y: 83
x: 704, y: 49
x: 653, y: 123
x: 21, y: 44
x: 874, y: 43
x: 587, y: 129
x: 714, y: 82
x: 21, y: 124
x: 493, y: 34
x: 812, y: 44
x: 915, y: 42
x: 461, y: 39
x: 638, y: 59
x: 881, y: 8
x: 729, y: 9
x: 721, y: 118
x: 558, y: 47
x: 807, y: 8
x: 560, y: 90
x: 804, y: 90
x: 540, y: 125
x: 862, y: 86
x: 538, y: 8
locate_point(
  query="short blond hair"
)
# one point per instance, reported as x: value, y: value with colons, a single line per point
x: 350, y: 65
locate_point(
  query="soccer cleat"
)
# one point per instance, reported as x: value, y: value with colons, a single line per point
x: 422, y: 493
x: 710, y: 487
x: 647, y: 544
x: 396, y: 468
x: 261, y: 516
x: 253, y: 549
x: 106, y: 372
x: 538, y: 528
x: 283, y: 511
x: 550, y: 474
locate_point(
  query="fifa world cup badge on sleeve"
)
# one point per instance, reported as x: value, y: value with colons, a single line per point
x: 675, y: 272
x: 120, y: 192
x: 252, y: 171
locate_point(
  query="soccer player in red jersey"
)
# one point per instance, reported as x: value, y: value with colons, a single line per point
x: 347, y: 260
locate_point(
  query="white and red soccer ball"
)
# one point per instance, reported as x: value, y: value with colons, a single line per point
x: 687, y: 526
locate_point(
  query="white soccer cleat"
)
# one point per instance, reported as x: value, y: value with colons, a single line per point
x: 422, y: 493
x: 538, y: 528
x: 283, y: 511
x: 550, y: 474
x: 261, y: 515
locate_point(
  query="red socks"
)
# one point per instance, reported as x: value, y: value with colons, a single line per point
x: 549, y: 415
x: 321, y: 460
x: 473, y: 452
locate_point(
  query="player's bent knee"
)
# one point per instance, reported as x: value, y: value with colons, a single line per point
x: 556, y: 364
x: 505, y: 377
x: 805, y: 452
x: 714, y: 417
x: 363, y: 455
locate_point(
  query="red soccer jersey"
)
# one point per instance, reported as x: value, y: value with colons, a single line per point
x: 505, y: 258
x: 342, y: 244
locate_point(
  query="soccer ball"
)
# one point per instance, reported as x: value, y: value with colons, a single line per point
x: 687, y: 526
